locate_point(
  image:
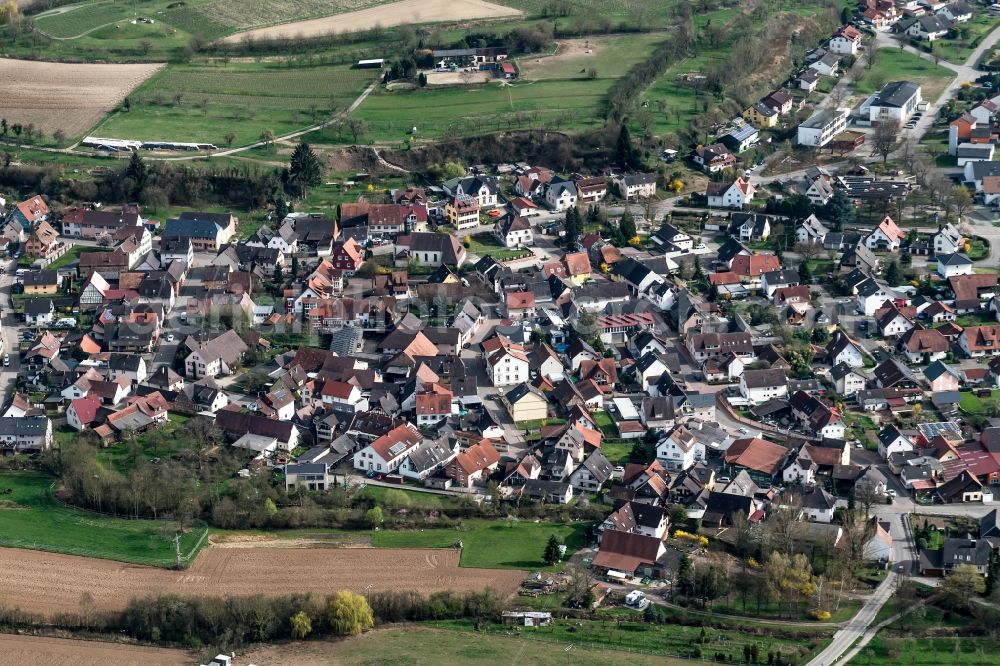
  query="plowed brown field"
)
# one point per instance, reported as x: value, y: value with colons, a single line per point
x: 43, y: 651
x: 47, y: 583
x: 397, y: 13
x: 64, y: 96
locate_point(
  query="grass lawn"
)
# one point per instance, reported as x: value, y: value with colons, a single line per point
x: 31, y: 518
x: 203, y: 103
x: 975, y: 319
x: 401, y: 497
x: 422, y: 645
x: 927, y: 651
x: 972, y: 404
x: 978, y: 250
x: 162, y: 442
x: 72, y: 255
x: 605, y: 423
x: 848, y: 609
x: 486, y: 244
x: 490, y: 544
x: 958, y: 50
x: 610, y: 58
x: 469, y: 110
x: 894, y: 65
x: 623, y: 629
x: 617, y: 453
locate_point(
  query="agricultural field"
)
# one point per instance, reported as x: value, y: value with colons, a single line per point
x: 204, y: 103
x: 31, y: 518
x: 49, y: 583
x: 18, y: 649
x: 65, y: 97
x: 895, y: 65
x: 78, y: 20
x: 404, y: 12
x: 420, y: 645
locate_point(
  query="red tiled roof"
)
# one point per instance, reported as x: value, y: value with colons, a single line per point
x: 756, y: 454
x: 755, y: 265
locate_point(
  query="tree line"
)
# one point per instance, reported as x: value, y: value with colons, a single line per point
x: 225, y: 623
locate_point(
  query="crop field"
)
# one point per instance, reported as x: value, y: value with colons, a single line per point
x: 205, y: 102
x: 48, y: 583
x: 647, y: 13
x: 404, y: 12
x: 64, y: 97
x: 42, y: 651
x: 31, y: 518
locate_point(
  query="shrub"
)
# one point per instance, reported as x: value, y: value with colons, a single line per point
x: 821, y: 615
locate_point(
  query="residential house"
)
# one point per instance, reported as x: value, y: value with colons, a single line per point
x: 386, y: 453
x: 761, y: 115
x: 980, y: 341
x: 713, y: 158
x: 924, y: 345
x: 811, y: 230
x: 886, y: 236
x: 473, y: 464
x: 950, y: 265
x: 218, y: 356
x: 427, y: 459
x: 928, y: 27
x: 462, y: 212
x: 560, y: 195
x: 43, y: 241
x: 207, y: 231
x: 30, y: 212
x: 679, y: 449
x: 760, y: 458
x: 947, y: 240
x: 635, y: 186
x: 513, y: 232
x: 41, y: 282
x: 759, y: 386
x: 729, y: 194
x: 524, y: 402
x: 847, y: 379
x: 25, y: 433
x: 741, y: 138
x: 430, y: 249
x: 827, y: 65
x: 846, y: 41
x: 592, y: 473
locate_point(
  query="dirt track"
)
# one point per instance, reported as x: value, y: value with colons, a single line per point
x: 397, y: 13
x: 47, y: 583
x: 64, y: 96
x: 41, y: 651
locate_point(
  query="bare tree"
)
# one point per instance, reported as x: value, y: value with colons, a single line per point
x: 961, y: 199
x: 808, y: 250
x: 867, y: 495
x: 884, y: 139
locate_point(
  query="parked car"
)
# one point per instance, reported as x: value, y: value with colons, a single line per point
x: 6, y: 361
